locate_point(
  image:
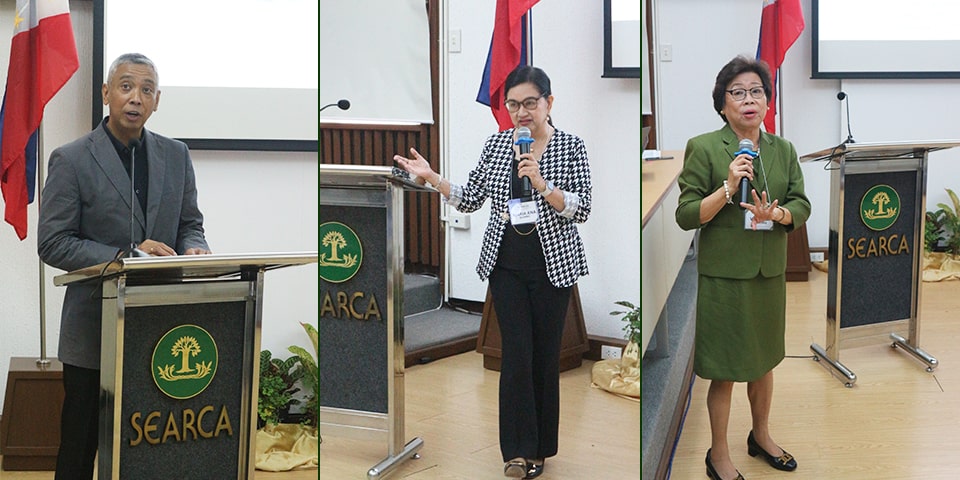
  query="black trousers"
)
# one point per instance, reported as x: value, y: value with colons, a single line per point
x: 78, y: 423
x: 531, y: 314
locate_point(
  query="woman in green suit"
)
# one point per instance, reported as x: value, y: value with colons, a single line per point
x: 742, y: 256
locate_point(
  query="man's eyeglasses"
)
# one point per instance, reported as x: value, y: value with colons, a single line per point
x: 530, y: 103
x: 741, y: 93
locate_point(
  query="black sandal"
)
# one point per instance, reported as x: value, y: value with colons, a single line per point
x: 534, y: 468
x: 516, y: 468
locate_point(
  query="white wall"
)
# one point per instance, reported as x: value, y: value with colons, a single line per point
x: 252, y: 202
x: 605, y: 113
x: 705, y: 34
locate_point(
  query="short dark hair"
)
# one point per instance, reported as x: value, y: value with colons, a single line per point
x: 525, y: 74
x: 738, y: 65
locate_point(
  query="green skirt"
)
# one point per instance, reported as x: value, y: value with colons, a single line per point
x: 740, y: 327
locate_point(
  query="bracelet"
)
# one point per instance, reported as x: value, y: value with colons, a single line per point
x: 726, y: 192
x: 783, y: 214
x: 439, y: 181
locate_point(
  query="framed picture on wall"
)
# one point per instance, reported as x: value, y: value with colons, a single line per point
x: 621, y: 39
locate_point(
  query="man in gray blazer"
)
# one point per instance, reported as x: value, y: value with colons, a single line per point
x: 85, y: 220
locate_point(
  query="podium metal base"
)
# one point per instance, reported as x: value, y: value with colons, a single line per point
x: 387, y: 465
x: 925, y: 357
x: 838, y: 370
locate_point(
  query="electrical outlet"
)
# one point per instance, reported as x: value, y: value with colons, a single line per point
x: 454, y: 41
x: 608, y: 352
x: 458, y: 220
x: 816, y: 257
x: 666, y: 53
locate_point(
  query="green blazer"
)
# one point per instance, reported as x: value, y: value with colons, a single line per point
x: 726, y: 249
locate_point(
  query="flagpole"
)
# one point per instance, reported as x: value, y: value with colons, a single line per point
x: 43, y: 362
x: 779, y: 85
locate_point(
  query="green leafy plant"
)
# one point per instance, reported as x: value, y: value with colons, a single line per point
x: 944, y: 224
x: 278, y: 380
x: 309, y: 373
x: 634, y: 326
x: 931, y: 230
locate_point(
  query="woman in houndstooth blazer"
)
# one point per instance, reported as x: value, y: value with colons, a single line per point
x: 532, y: 257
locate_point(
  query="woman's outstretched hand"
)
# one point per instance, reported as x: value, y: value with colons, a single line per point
x: 416, y: 165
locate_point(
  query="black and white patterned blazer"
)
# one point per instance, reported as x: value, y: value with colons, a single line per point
x: 565, y: 164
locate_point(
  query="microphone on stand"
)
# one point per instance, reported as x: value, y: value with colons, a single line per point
x: 843, y: 96
x: 134, y: 248
x: 746, y: 146
x: 524, y: 141
x: 343, y: 104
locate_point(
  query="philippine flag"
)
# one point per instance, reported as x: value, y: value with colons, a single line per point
x: 781, y: 23
x: 43, y: 56
x: 508, y: 50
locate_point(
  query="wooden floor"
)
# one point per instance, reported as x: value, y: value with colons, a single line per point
x: 452, y: 405
x: 305, y: 474
x: 898, y: 421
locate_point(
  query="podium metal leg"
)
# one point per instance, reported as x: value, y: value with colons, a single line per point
x: 841, y: 372
x: 387, y: 465
x: 925, y: 357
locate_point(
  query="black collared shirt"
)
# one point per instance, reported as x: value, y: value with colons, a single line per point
x: 140, y: 162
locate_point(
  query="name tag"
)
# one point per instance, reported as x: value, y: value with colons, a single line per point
x: 748, y: 219
x: 522, y: 213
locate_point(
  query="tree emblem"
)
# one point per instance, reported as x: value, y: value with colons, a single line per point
x: 334, y: 240
x: 184, y: 361
x: 343, y: 252
x: 880, y: 207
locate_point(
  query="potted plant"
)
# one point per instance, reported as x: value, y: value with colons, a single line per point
x: 283, y: 446
x: 623, y: 377
x: 634, y: 325
x: 309, y: 373
x: 941, y: 241
x: 943, y: 227
x: 278, y: 380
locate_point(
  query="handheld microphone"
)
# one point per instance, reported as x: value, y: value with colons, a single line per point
x: 843, y: 96
x: 134, y: 248
x: 524, y: 141
x: 746, y: 146
x: 343, y: 104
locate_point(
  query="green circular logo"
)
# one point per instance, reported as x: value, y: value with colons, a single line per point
x: 880, y: 207
x: 184, y: 362
x: 342, y: 253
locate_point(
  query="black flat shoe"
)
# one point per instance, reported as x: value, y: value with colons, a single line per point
x: 785, y: 462
x: 534, y: 469
x: 712, y: 472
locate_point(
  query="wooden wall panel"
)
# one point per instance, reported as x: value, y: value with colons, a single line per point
x: 350, y: 144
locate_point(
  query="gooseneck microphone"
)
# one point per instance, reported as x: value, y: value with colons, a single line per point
x: 843, y: 96
x: 524, y: 140
x: 343, y: 104
x: 134, y: 248
x: 746, y: 146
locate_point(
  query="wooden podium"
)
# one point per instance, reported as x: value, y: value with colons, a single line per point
x: 30, y: 428
x: 179, y: 363
x: 798, y: 255
x: 572, y: 346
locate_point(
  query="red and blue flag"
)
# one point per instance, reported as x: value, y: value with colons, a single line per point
x: 781, y: 23
x: 508, y: 50
x: 43, y: 56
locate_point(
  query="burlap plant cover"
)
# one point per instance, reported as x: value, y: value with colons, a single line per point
x: 620, y: 376
x: 287, y: 446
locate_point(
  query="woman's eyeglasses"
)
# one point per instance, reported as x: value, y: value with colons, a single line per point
x: 529, y: 103
x: 741, y: 93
